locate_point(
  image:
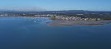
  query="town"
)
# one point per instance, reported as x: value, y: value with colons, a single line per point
x: 66, y: 14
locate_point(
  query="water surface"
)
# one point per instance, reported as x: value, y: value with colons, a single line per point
x: 44, y: 33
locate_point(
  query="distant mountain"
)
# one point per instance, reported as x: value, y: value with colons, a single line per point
x: 45, y: 11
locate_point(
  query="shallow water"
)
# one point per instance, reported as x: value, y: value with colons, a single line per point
x: 44, y: 33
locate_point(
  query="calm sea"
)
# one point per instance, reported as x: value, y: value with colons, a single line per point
x: 44, y: 33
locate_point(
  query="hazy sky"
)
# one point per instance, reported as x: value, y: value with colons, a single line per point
x: 58, y: 4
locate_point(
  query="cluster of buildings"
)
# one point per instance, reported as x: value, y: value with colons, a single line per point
x: 63, y: 15
x: 72, y: 18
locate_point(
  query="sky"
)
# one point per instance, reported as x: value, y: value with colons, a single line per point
x: 94, y: 5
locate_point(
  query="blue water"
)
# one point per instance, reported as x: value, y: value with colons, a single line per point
x: 35, y: 33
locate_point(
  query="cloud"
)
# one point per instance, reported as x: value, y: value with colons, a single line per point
x: 24, y: 9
